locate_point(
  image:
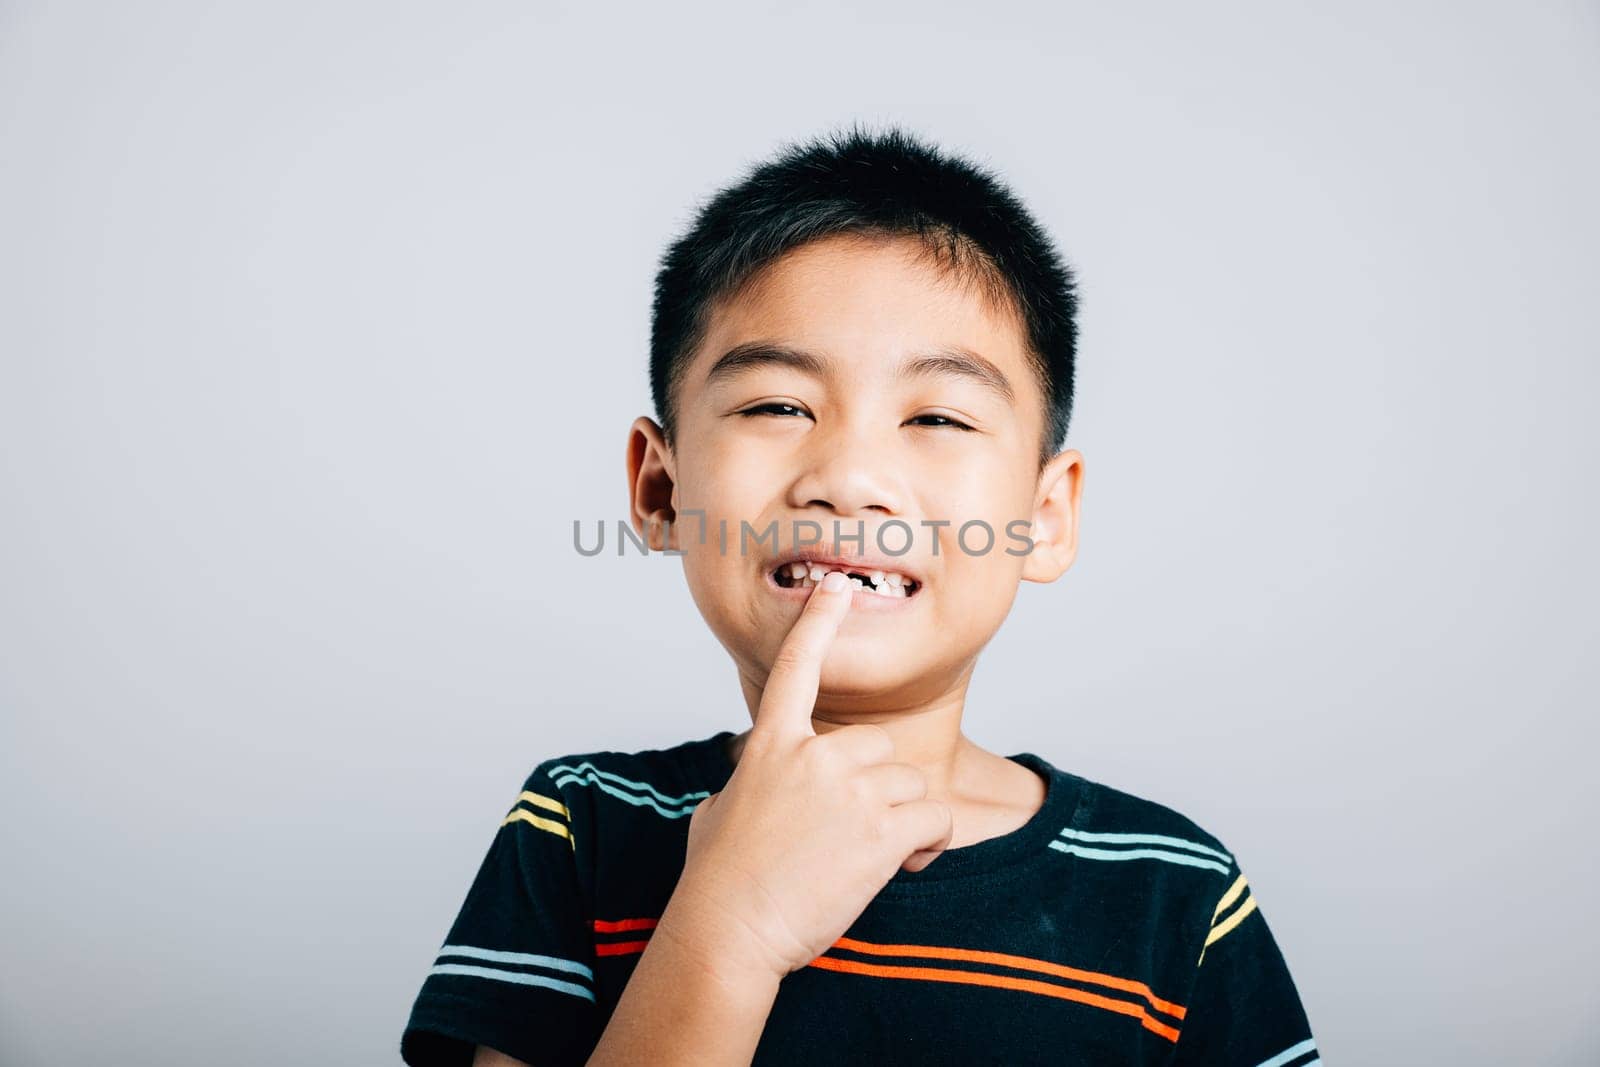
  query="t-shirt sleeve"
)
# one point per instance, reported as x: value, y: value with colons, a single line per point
x: 515, y: 971
x: 1244, y: 1010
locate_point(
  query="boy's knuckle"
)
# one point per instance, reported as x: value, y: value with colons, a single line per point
x: 881, y: 741
x: 822, y: 758
x: 859, y: 791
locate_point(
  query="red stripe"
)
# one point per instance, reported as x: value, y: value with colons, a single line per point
x: 617, y: 926
x: 618, y: 948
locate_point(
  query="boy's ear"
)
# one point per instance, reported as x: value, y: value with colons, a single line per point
x: 650, y: 484
x: 1055, y: 518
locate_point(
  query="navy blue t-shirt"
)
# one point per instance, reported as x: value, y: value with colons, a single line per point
x: 1107, y: 930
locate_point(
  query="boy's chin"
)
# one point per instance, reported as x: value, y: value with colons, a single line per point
x: 860, y: 646
x: 848, y: 674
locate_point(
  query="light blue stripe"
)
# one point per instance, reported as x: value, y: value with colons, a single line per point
x: 1138, y: 854
x: 514, y: 976
x: 642, y: 786
x: 587, y: 773
x: 1290, y: 1053
x: 554, y: 963
x: 1147, y: 839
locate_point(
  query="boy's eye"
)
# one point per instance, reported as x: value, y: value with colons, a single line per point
x: 785, y: 410
x: 773, y: 409
x: 944, y: 420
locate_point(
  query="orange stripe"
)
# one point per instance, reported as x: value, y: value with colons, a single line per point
x: 1027, y: 963
x: 941, y: 974
x: 1028, y: 985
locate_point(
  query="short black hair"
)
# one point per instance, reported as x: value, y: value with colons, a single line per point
x: 889, y: 184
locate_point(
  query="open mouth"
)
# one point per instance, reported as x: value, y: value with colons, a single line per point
x: 801, y: 574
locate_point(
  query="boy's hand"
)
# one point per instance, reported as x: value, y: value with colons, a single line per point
x: 808, y: 829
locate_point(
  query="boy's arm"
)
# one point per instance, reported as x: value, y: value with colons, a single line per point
x: 689, y: 1001
x: 680, y: 1006
x: 515, y: 972
x: 1245, y: 1009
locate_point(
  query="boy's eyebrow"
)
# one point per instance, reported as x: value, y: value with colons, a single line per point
x: 950, y: 361
x: 959, y: 362
x: 758, y: 353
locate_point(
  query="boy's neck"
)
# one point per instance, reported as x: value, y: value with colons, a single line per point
x: 988, y: 794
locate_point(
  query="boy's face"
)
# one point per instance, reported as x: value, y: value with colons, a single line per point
x: 855, y: 437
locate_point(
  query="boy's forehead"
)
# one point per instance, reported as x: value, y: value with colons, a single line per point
x: 865, y: 305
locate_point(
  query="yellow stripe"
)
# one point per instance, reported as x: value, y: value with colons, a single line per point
x: 1218, y: 929
x: 524, y: 815
x: 1229, y: 897
x: 1231, y: 921
x: 539, y: 800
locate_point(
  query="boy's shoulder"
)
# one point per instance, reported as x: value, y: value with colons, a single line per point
x: 1112, y: 823
x: 1107, y: 808
x: 662, y: 782
x: 1154, y: 866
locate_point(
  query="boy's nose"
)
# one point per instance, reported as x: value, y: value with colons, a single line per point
x: 848, y: 477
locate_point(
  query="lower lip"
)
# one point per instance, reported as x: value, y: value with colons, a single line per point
x: 863, y: 600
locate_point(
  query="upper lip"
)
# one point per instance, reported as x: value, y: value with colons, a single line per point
x: 845, y: 563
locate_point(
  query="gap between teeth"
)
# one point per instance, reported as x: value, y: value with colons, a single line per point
x: 884, y: 583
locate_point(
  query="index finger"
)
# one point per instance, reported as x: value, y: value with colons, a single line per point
x: 791, y: 690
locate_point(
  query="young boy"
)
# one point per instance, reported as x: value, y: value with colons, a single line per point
x: 862, y: 360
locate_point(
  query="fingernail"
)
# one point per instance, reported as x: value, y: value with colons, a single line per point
x: 834, y: 581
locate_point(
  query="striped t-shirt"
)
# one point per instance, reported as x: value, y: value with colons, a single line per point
x: 1107, y: 930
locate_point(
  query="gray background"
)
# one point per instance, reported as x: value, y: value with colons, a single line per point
x: 322, y: 322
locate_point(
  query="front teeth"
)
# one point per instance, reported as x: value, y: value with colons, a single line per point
x: 884, y: 583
